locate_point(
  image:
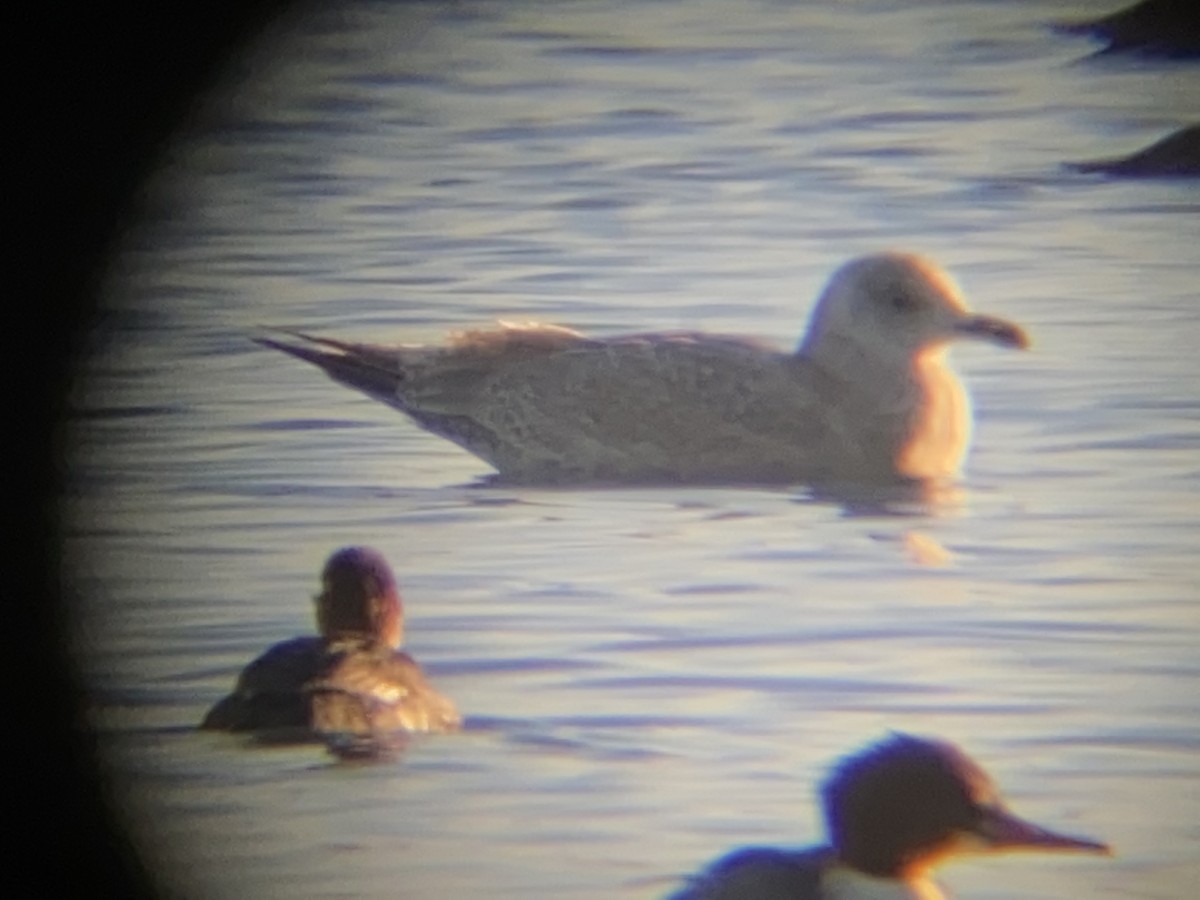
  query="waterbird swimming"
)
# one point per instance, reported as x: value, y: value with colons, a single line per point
x: 1175, y: 156
x: 893, y: 811
x: 867, y: 398
x: 1155, y: 28
x: 350, y: 680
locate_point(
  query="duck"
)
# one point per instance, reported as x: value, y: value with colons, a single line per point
x: 1175, y: 156
x: 866, y: 398
x: 894, y: 811
x: 1168, y: 29
x: 349, y: 680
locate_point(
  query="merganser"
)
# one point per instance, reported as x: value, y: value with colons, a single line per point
x: 351, y: 679
x: 893, y: 811
x: 867, y: 398
x: 1162, y: 28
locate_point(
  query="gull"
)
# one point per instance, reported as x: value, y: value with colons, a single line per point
x: 866, y: 398
x: 894, y: 811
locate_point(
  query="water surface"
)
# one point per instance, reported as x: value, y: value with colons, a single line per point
x: 650, y: 676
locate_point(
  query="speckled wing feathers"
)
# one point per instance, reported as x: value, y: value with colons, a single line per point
x: 653, y: 408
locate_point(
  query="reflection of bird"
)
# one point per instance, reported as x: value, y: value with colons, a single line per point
x: 867, y: 397
x: 351, y: 680
x: 1164, y: 28
x: 894, y: 811
x: 1176, y: 155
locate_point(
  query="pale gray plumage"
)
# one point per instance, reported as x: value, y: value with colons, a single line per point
x: 867, y: 398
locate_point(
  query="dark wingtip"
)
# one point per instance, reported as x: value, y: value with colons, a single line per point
x: 362, y: 367
x: 320, y: 358
x: 302, y: 336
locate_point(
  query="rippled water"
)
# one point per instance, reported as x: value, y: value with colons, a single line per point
x: 650, y: 676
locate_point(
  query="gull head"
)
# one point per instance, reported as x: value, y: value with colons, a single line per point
x: 897, y: 306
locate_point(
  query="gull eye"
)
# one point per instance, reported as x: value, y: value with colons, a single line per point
x: 902, y: 302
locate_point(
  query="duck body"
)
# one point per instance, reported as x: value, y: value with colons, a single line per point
x: 768, y: 873
x: 269, y: 693
x: 1167, y: 29
x: 765, y: 873
x: 867, y: 398
x: 310, y: 686
x: 351, y: 679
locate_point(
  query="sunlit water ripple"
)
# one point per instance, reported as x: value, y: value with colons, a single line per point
x: 650, y: 676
